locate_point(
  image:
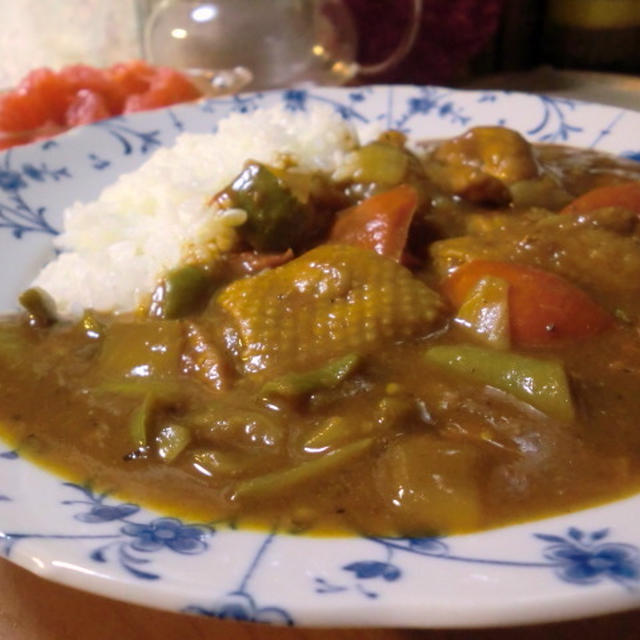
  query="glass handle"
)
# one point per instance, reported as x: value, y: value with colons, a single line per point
x: 403, y: 47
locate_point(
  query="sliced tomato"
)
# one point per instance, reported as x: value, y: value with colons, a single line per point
x: 81, y: 76
x: 543, y: 307
x: 21, y: 112
x: 130, y: 77
x: 87, y: 106
x: 380, y: 223
x: 40, y: 99
x: 47, y: 102
x: 47, y: 93
x: 167, y: 87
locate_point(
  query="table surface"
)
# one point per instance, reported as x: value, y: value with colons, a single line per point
x: 605, y: 88
x: 35, y: 609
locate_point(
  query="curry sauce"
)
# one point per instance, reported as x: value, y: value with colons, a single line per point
x: 447, y: 342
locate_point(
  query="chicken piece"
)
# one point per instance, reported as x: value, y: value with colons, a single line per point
x: 482, y: 163
x: 332, y: 300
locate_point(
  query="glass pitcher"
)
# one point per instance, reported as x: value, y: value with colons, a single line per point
x: 227, y: 45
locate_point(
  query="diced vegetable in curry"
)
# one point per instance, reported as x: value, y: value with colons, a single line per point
x: 433, y: 341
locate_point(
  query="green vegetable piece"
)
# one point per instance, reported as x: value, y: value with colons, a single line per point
x: 623, y: 316
x: 331, y: 432
x: 326, y: 377
x: 270, y: 483
x: 212, y: 462
x: 276, y: 219
x: 380, y: 162
x: 541, y: 383
x: 541, y: 191
x: 140, y: 420
x: 40, y: 307
x: 183, y: 291
x: 171, y: 441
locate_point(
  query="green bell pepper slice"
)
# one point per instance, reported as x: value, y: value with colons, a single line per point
x: 276, y: 219
x: 326, y: 377
x: 183, y: 291
x: 541, y: 383
x: 270, y: 483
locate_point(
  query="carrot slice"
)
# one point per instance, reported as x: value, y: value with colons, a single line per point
x: 380, y: 223
x: 625, y: 195
x: 544, y: 308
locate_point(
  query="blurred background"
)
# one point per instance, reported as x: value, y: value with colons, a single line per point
x: 457, y: 41
x: 583, y: 48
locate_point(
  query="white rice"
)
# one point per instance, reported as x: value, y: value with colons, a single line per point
x: 117, y: 248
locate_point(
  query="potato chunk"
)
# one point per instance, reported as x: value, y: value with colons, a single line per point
x: 332, y: 300
x: 430, y: 485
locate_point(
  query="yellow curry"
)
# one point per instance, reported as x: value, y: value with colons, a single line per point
x: 445, y: 341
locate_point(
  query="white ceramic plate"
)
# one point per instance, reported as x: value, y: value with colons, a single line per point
x: 580, y: 564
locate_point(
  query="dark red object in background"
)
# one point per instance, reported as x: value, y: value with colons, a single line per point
x: 451, y: 33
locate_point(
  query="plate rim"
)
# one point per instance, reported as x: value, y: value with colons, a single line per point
x: 409, y: 613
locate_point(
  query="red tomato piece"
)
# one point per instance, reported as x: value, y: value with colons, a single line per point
x: 40, y: 99
x: 167, y: 87
x: 12, y: 139
x: 543, y: 307
x: 625, y: 195
x: 81, y: 76
x: 87, y: 106
x: 15, y: 113
x: 130, y: 77
x: 47, y: 102
x: 380, y: 223
x: 48, y: 94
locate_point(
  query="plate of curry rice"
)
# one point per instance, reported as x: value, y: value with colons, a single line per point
x: 358, y: 356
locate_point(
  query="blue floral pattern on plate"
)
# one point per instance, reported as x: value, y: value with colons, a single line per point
x: 579, y: 557
x: 15, y: 213
x: 587, y: 561
x: 130, y: 540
